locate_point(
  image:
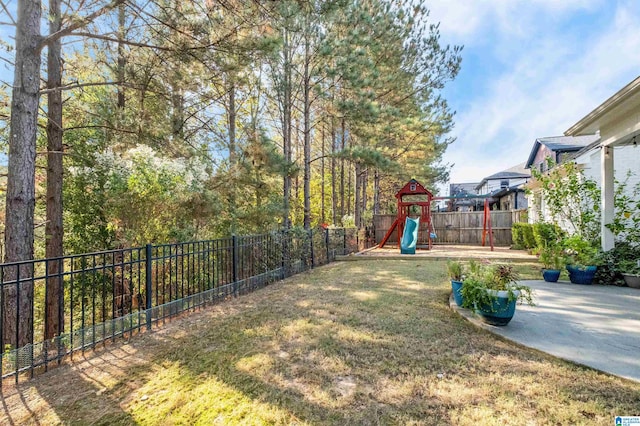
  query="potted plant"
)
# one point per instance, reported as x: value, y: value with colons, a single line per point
x: 552, y: 260
x: 492, y: 292
x: 582, y: 256
x: 631, y: 272
x: 456, y: 270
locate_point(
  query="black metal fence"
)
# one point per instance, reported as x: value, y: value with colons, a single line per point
x: 106, y: 295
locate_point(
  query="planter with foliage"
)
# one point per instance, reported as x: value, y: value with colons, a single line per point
x: 456, y: 271
x: 581, y: 274
x: 582, y: 257
x: 552, y: 259
x: 631, y: 273
x: 492, y: 292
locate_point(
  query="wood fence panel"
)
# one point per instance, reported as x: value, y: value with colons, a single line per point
x: 457, y: 227
x: 381, y: 224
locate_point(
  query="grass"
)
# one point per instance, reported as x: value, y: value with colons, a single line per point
x: 349, y: 343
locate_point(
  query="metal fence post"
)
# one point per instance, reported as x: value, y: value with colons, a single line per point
x: 234, y: 261
x: 311, y: 248
x: 326, y: 242
x: 284, y: 253
x: 148, y: 286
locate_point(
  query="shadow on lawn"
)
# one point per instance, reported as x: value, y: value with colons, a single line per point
x: 322, y: 362
x: 66, y: 395
x: 383, y: 349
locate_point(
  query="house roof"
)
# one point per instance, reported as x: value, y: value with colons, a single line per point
x: 515, y: 172
x: 466, y: 189
x: 504, y: 191
x: 462, y: 188
x: 593, y: 145
x: 560, y: 144
x: 591, y: 122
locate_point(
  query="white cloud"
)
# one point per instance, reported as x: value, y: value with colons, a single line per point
x: 463, y: 18
x: 550, y: 81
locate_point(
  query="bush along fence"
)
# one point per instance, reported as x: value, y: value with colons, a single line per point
x: 53, y: 308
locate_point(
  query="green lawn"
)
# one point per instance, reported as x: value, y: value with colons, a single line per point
x: 350, y: 343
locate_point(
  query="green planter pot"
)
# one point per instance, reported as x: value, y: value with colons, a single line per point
x: 581, y: 275
x: 501, y: 311
x: 551, y: 275
x: 456, y: 287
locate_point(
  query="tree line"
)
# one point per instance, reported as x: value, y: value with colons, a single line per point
x: 132, y: 122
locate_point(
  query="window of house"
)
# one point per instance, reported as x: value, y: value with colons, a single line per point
x: 504, y: 183
x: 412, y: 187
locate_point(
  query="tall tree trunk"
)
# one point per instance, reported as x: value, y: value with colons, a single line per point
x: 365, y: 181
x: 376, y: 192
x: 20, y: 199
x: 342, y: 147
x: 349, y: 188
x: 122, y: 62
x: 357, y: 212
x: 334, y: 172
x: 307, y: 138
x: 286, y: 130
x: 296, y: 146
x: 54, y: 227
x: 231, y: 114
x: 177, y: 115
x: 322, y: 190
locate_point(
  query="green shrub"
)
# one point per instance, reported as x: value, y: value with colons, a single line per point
x: 517, y: 235
x: 527, y: 236
x: 580, y: 251
x: 455, y: 270
x: 546, y: 235
x: 613, y: 263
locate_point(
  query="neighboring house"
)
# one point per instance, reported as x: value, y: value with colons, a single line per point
x: 617, y: 122
x: 464, y: 202
x: 506, y: 188
x: 556, y: 149
x: 546, y: 153
x: 627, y: 170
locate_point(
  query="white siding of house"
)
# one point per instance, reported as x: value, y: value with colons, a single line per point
x: 626, y: 158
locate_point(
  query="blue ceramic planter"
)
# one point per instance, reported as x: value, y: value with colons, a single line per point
x: 581, y: 276
x: 499, y: 313
x: 456, y: 286
x: 551, y: 275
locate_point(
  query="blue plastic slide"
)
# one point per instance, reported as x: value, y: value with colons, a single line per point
x: 409, y: 236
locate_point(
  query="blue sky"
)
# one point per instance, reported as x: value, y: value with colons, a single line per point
x: 531, y: 68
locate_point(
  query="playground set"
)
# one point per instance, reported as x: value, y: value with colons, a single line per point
x: 408, y: 228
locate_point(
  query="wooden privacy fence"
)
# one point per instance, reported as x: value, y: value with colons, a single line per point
x: 457, y: 227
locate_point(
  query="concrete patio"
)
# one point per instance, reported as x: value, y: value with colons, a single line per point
x: 597, y: 326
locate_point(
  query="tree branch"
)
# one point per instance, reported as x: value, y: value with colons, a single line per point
x: 115, y: 40
x: 4, y: 7
x: 100, y: 126
x: 78, y: 24
x: 79, y: 86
